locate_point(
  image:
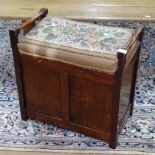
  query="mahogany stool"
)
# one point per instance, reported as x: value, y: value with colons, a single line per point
x: 76, y: 75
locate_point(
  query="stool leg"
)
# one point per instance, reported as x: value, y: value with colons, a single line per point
x: 133, y: 84
x: 113, y: 141
x: 24, y: 117
x: 131, y: 109
x: 113, y: 145
x: 116, y: 100
x: 18, y: 73
x: 132, y: 92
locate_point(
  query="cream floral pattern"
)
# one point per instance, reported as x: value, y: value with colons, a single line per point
x: 80, y: 35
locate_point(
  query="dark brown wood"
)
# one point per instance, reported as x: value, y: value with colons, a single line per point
x: 134, y: 77
x: 73, y: 70
x: 65, y: 97
x: 90, y: 104
x: 14, y: 41
x: 136, y: 36
x: 46, y: 98
x: 18, y: 72
x: 125, y: 92
x: 29, y: 23
x: 80, y: 95
x: 116, y: 99
x: 124, y: 87
x: 79, y: 99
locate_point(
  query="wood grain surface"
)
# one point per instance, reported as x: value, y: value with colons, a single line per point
x: 130, y: 10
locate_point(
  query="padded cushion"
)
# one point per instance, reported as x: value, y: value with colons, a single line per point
x: 83, y: 44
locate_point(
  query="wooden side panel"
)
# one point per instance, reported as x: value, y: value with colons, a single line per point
x: 126, y: 91
x: 42, y: 90
x: 90, y: 103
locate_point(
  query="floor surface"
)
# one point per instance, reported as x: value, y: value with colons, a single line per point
x: 49, y: 153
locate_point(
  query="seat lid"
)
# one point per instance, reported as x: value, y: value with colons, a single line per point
x: 80, y: 35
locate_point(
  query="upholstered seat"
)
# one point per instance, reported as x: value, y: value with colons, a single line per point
x: 87, y: 45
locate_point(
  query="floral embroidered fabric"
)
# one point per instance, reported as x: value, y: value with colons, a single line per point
x: 83, y: 36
